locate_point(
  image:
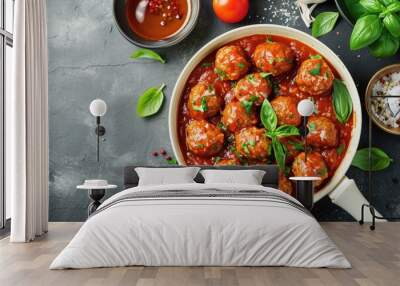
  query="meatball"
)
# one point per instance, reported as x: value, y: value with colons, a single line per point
x: 227, y: 162
x: 286, y: 110
x: 203, y: 138
x: 332, y: 156
x: 313, y: 167
x: 253, y: 88
x: 273, y: 57
x: 252, y: 143
x: 235, y: 117
x: 231, y: 62
x: 285, y: 185
x: 314, y: 77
x: 203, y: 101
x: 322, y: 132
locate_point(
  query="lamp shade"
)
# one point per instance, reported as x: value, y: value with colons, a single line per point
x: 305, y: 107
x: 98, y: 107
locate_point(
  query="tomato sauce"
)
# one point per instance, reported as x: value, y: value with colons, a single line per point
x: 162, y: 19
x: 204, y: 72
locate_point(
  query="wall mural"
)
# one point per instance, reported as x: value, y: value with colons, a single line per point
x: 237, y: 104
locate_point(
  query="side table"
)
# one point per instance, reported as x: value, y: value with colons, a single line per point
x: 305, y: 190
x: 96, y: 191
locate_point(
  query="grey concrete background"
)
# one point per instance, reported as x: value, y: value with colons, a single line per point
x: 88, y: 59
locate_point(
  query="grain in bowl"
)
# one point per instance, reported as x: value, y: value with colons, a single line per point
x: 385, y: 100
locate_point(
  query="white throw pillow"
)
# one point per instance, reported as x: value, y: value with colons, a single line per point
x: 247, y: 177
x: 166, y: 176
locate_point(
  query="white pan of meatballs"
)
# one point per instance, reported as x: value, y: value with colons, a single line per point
x: 216, y: 105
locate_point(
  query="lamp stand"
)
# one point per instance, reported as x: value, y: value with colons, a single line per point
x: 100, y: 131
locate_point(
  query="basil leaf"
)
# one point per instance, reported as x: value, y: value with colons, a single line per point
x: 268, y: 116
x: 324, y: 23
x: 392, y: 24
x: 355, y: 9
x: 391, y: 8
x: 172, y: 161
x: 342, y: 102
x: 150, y: 101
x: 366, y: 31
x: 286, y: 130
x: 379, y: 159
x: 372, y: 6
x: 385, y: 46
x: 388, y: 2
x: 279, y: 153
x: 147, y: 54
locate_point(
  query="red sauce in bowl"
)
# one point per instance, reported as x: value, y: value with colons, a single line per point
x: 162, y: 18
x: 205, y: 73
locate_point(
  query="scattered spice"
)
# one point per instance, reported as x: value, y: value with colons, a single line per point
x: 284, y: 12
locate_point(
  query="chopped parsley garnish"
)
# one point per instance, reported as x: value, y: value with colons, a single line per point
x: 217, y: 159
x: 253, y: 98
x: 251, y: 77
x: 316, y: 57
x: 265, y: 74
x: 327, y: 75
x: 247, y: 105
x: 252, y: 143
x: 246, y: 148
x: 316, y: 70
x: 269, y: 40
x: 220, y: 73
x: 221, y: 126
x: 340, y: 149
x: 312, y: 127
x: 199, y: 145
x: 206, y: 64
x: 281, y: 60
x: 241, y: 65
x: 296, y: 145
x: 210, y: 88
x: 203, y: 105
x: 322, y: 172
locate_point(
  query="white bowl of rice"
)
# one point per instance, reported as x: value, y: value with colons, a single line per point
x: 382, y: 99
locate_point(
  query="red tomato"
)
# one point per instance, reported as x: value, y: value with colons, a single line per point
x: 231, y: 11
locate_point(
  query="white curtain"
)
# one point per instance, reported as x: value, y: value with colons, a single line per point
x: 27, y: 143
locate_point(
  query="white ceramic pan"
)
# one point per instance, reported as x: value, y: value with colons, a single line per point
x: 345, y: 189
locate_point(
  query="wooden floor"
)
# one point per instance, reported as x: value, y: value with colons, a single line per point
x: 375, y: 257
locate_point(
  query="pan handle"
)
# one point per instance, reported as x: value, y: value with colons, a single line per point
x: 347, y: 196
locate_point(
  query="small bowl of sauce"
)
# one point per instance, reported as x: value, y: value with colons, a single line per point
x: 156, y: 23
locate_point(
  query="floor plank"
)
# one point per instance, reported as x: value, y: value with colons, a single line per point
x: 375, y: 257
